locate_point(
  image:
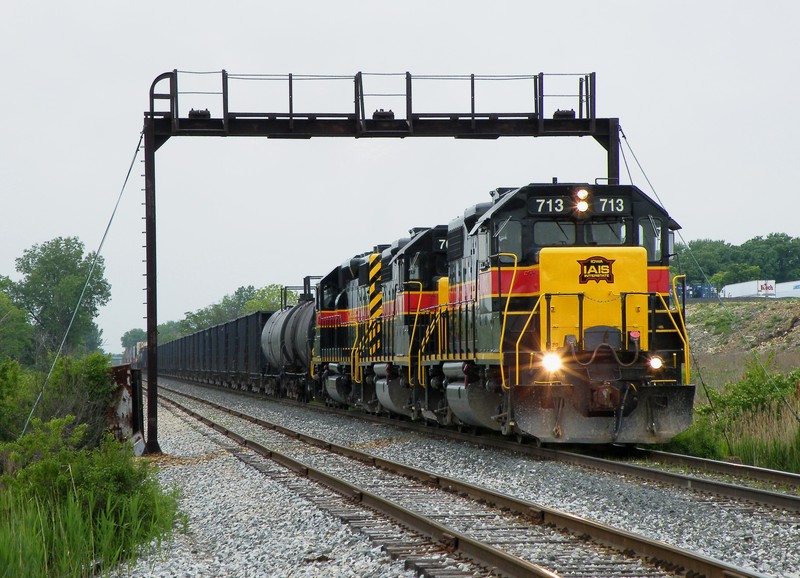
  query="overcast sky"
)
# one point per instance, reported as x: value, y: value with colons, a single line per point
x: 706, y: 93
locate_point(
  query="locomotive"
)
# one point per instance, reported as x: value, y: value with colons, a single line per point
x: 546, y: 313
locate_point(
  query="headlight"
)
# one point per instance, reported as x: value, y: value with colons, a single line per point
x: 581, y: 200
x: 551, y: 362
x: 656, y: 362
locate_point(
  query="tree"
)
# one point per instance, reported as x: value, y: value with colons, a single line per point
x: 16, y: 334
x: 702, y: 259
x: 132, y: 337
x: 269, y: 298
x: 53, y: 276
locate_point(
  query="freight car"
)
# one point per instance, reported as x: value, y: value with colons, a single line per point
x: 547, y: 312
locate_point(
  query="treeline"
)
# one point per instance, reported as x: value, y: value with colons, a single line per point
x: 37, y: 310
x: 241, y: 302
x: 776, y: 256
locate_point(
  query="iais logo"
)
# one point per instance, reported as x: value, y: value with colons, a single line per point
x: 596, y: 269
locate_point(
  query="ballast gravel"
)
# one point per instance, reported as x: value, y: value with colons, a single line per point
x: 758, y: 538
x: 239, y: 523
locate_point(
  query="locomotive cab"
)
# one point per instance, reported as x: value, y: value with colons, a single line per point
x: 577, y: 316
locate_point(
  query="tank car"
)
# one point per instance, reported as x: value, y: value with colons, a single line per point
x: 286, y: 341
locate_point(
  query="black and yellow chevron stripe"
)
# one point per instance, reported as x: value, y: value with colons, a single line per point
x: 375, y: 305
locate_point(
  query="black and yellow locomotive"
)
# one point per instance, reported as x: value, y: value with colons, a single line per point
x: 548, y: 312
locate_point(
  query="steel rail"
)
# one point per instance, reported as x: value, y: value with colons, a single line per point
x: 788, y: 479
x: 485, y: 554
x: 663, y: 554
x: 685, y: 481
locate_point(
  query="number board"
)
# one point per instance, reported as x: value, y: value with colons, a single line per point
x: 566, y: 205
x: 550, y: 205
x: 611, y: 205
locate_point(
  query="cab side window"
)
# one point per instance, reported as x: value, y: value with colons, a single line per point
x: 650, y: 233
x: 509, y: 238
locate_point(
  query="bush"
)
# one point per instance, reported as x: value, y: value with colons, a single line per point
x: 702, y: 439
x: 65, y: 509
x: 749, y: 422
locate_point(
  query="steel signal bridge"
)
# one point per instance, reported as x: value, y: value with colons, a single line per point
x: 166, y: 118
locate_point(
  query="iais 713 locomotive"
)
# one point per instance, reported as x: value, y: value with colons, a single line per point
x: 548, y: 312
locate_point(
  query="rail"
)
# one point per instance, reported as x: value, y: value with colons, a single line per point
x: 433, y: 327
x: 679, y: 329
x: 683, y: 333
x: 691, y: 563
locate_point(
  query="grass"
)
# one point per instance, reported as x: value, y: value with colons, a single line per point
x: 752, y: 417
x: 768, y: 437
x: 72, y: 512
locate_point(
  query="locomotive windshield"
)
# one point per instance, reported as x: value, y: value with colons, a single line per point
x: 554, y: 233
x: 605, y: 232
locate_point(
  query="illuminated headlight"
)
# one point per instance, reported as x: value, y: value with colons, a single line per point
x: 581, y: 200
x: 656, y: 363
x: 551, y: 362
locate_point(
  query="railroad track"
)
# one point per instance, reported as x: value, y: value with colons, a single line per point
x: 732, y: 481
x: 778, y: 481
x: 512, y: 536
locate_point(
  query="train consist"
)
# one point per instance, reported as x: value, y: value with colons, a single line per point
x: 547, y: 313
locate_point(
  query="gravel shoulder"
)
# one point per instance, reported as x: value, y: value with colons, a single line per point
x: 754, y: 537
x: 241, y: 524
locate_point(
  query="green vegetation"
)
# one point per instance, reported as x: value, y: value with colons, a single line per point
x: 133, y: 336
x: 53, y: 278
x: 80, y: 387
x: 243, y: 301
x: 775, y: 257
x: 73, y: 500
x: 69, y: 511
x: 752, y: 420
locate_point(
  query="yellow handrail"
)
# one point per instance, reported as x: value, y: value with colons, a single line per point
x: 683, y: 334
x: 414, y: 330
x: 522, y: 334
x: 505, y: 315
x: 354, y: 357
x: 425, y: 339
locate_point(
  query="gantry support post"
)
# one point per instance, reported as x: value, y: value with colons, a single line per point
x: 151, y: 445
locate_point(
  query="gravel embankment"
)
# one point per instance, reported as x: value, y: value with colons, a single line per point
x: 242, y: 524
x: 764, y: 540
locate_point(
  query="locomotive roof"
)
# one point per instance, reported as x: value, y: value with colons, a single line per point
x: 419, y: 233
x: 506, y: 197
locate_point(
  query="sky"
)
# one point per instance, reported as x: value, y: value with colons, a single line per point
x: 705, y: 93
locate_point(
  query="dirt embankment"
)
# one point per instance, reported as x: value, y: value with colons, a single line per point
x: 741, y: 326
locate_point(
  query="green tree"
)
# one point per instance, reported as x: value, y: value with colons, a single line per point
x: 269, y: 298
x: 702, y: 258
x: 170, y: 330
x: 778, y: 255
x: 53, y: 276
x: 16, y: 334
x: 243, y: 301
x: 132, y: 337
